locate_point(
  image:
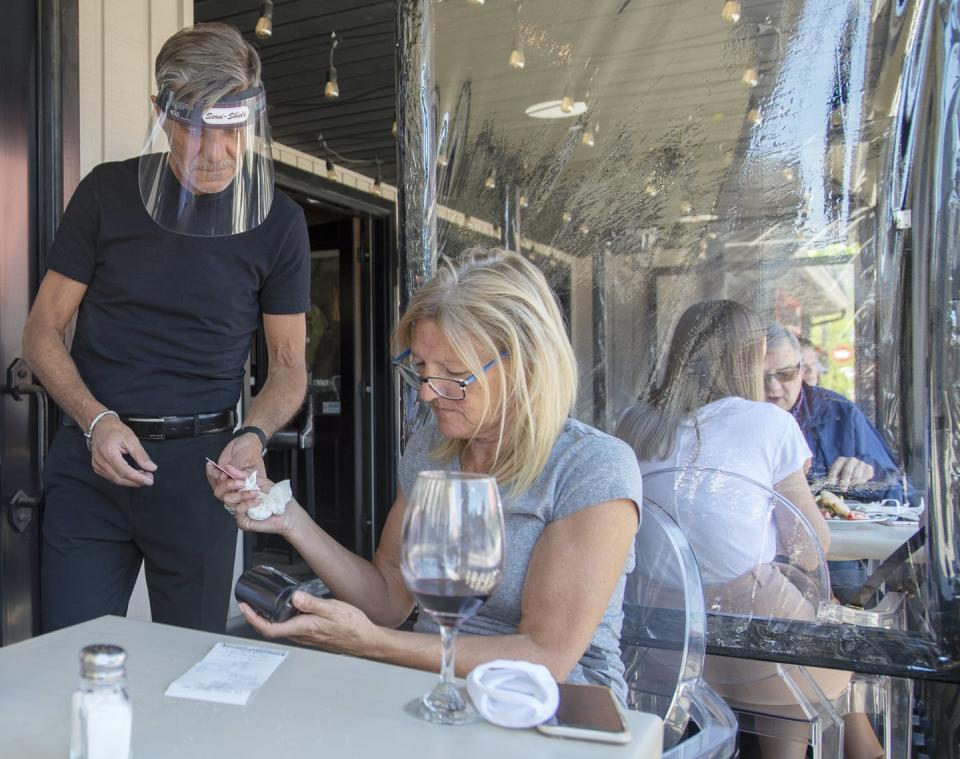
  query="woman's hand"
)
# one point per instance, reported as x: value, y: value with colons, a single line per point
x: 276, y: 524
x: 326, y: 624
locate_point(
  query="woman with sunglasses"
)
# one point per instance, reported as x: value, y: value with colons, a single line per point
x: 484, y: 346
x: 707, y: 419
x: 848, y: 452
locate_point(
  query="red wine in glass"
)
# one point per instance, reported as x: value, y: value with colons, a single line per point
x: 451, y: 556
x: 448, y: 601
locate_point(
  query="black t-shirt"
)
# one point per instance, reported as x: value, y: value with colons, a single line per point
x: 165, y: 325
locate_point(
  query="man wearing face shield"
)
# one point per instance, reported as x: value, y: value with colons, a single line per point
x: 169, y: 261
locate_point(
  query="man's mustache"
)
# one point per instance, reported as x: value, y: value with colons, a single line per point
x: 214, y: 165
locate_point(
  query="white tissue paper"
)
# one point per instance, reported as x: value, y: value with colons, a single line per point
x: 250, y: 483
x: 274, y: 502
x: 513, y: 693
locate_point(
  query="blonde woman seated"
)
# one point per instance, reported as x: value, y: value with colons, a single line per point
x: 484, y: 344
x: 709, y: 412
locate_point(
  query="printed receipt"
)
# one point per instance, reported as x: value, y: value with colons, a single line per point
x: 228, y: 674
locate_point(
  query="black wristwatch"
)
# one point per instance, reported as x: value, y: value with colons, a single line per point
x: 256, y: 431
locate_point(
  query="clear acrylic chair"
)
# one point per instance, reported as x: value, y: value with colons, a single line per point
x: 663, y: 652
x: 818, y: 699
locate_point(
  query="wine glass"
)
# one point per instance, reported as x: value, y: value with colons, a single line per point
x: 451, y: 559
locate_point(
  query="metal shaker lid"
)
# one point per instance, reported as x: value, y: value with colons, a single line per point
x: 102, y: 661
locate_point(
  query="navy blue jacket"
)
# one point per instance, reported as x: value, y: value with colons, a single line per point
x: 834, y: 427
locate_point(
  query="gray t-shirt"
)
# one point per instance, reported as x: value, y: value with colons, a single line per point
x: 586, y: 467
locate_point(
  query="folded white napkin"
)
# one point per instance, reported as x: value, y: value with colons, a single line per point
x: 274, y: 502
x: 513, y: 693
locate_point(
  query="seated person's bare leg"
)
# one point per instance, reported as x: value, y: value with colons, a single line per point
x: 859, y: 740
x: 775, y: 748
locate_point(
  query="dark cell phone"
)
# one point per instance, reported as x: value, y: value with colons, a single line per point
x: 588, y: 712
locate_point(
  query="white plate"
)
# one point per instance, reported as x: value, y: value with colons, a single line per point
x: 868, y: 519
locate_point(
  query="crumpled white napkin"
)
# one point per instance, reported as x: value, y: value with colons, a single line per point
x: 268, y: 504
x: 513, y: 693
x: 890, y: 507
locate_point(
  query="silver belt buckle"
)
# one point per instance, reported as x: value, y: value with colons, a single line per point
x: 150, y: 428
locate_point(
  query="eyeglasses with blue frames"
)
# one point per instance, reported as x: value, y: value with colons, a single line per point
x: 445, y: 387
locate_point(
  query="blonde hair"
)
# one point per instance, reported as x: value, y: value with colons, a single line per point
x: 716, y: 352
x: 489, y: 302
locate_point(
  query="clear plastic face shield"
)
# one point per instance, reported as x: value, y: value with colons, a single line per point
x: 207, y: 170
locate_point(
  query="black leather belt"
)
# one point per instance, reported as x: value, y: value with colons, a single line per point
x: 173, y: 427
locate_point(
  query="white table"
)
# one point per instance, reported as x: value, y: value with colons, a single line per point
x: 867, y: 540
x: 315, y: 705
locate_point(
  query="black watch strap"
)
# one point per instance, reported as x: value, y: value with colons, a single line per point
x: 256, y: 431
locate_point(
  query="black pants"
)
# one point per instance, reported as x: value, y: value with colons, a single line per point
x: 95, y: 535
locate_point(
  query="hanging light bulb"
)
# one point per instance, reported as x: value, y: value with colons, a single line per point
x: 331, y: 171
x: 517, y: 59
x: 754, y: 115
x: 730, y: 12
x: 567, y: 217
x: 750, y: 77
x: 442, y: 159
x: 264, y: 28
x: 523, y: 201
x: 378, y: 183
x: 331, y: 90
x: 589, y: 137
x: 491, y: 181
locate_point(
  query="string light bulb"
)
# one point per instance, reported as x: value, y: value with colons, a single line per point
x: 331, y: 90
x: 517, y: 59
x: 583, y: 229
x: 730, y: 12
x: 378, y: 183
x: 523, y: 201
x: 264, y: 28
x: 442, y: 159
x: 685, y: 207
x: 754, y: 115
x: 750, y: 77
x: 331, y: 171
x: 566, y: 217
x: 491, y: 181
x: 566, y: 105
x: 393, y: 127
x: 589, y: 136
x: 788, y: 174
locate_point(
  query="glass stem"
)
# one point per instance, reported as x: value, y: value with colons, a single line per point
x: 448, y: 637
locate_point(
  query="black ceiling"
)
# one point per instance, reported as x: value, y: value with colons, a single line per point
x: 357, y: 125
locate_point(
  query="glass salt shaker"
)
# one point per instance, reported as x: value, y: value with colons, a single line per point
x: 101, y: 718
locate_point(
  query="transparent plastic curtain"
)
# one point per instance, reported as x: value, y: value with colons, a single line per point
x: 650, y: 155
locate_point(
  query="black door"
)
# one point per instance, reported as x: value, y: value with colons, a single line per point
x: 19, y: 520
x: 340, y: 451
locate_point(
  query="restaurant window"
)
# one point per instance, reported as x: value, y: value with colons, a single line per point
x: 799, y: 161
